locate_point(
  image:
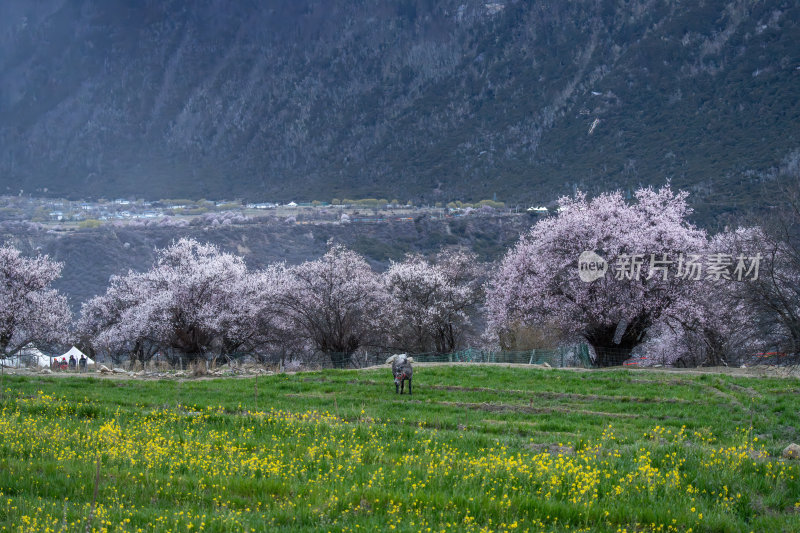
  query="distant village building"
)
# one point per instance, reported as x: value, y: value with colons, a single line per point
x: 538, y: 210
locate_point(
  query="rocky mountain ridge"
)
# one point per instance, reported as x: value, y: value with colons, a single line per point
x: 415, y: 99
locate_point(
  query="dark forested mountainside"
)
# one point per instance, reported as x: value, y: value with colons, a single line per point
x: 414, y: 99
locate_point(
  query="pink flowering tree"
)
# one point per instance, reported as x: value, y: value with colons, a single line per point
x: 710, y: 328
x: 184, y: 306
x: 771, y: 298
x: 259, y: 324
x: 30, y: 310
x: 713, y: 324
x: 747, y: 306
x: 204, y: 285
x: 128, y: 320
x: 432, y: 303
x: 646, y: 246
x: 336, y: 304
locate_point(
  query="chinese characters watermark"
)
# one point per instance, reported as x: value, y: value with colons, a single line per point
x: 694, y: 267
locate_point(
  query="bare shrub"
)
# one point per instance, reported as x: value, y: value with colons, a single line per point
x: 199, y: 368
x: 534, y: 337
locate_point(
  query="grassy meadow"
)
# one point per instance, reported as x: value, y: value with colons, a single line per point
x: 476, y: 448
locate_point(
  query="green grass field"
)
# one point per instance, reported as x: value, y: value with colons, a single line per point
x: 476, y: 448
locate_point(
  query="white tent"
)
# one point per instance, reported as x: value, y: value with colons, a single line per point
x: 77, y: 353
x: 34, y: 356
x: 30, y: 355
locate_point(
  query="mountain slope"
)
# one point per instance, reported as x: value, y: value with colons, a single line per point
x: 411, y: 99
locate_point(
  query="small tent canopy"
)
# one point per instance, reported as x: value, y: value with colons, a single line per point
x: 35, y: 357
x: 77, y: 353
x: 30, y: 355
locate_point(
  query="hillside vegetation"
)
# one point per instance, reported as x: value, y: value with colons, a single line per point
x: 92, y: 256
x: 410, y: 98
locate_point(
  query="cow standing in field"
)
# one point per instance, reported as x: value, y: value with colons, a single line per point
x: 402, y: 372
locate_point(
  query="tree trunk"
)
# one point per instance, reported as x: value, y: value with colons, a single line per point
x: 606, y: 356
x: 610, y: 353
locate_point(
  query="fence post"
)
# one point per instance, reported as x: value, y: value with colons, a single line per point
x: 585, y: 359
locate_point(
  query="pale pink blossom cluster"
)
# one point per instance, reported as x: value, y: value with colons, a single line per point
x: 183, y: 304
x: 31, y: 311
x: 433, y: 301
x: 337, y: 303
x: 223, y: 218
x: 538, y: 282
x: 197, y: 301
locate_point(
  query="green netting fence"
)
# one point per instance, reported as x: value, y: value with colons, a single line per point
x: 577, y: 355
x: 568, y: 356
x: 559, y: 357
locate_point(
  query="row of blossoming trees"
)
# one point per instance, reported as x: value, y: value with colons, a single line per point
x: 652, y: 280
x: 198, y: 302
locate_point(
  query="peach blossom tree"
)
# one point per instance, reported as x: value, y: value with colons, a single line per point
x: 646, y: 246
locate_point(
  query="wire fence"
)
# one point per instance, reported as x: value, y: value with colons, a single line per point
x: 559, y: 357
x: 578, y: 355
x: 568, y: 356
